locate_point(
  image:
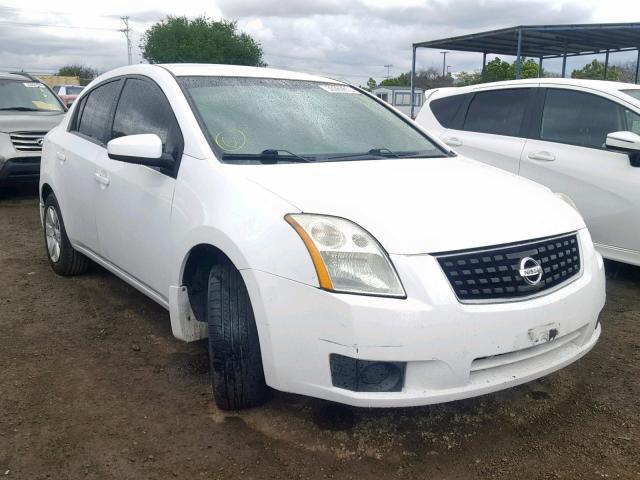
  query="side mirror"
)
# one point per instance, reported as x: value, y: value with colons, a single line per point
x: 145, y: 149
x: 627, y: 142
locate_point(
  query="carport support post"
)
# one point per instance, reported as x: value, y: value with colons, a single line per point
x: 564, y: 64
x: 606, y: 64
x: 519, y: 49
x: 484, y: 61
x: 540, y: 67
x: 413, y: 78
x: 637, y: 65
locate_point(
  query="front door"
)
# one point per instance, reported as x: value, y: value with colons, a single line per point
x: 133, y: 207
x: 570, y: 157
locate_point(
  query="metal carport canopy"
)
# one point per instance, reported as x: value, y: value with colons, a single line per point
x: 542, y: 41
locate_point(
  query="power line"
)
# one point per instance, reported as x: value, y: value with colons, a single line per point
x: 48, y: 25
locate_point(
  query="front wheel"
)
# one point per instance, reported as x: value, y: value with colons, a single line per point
x: 64, y: 260
x: 235, y: 359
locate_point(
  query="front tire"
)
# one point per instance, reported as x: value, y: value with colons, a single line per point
x: 235, y: 359
x: 64, y: 260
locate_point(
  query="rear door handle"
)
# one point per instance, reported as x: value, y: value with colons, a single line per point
x: 453, y: 141
x: 61, y: 156
x: 542, y: 156
x: 102, y: 179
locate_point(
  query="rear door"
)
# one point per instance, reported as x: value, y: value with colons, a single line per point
x: 569, y: 157
x: 76, y: 155
x: 133, y: 207
x: 492, y: 129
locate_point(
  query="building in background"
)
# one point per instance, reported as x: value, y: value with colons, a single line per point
x: 400, y: 97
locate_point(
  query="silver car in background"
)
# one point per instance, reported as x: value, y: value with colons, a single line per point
x: 28, y: 110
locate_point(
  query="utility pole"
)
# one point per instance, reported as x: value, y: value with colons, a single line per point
x: 127, y: 33
x: 444, y: 63
x: 388, y: 66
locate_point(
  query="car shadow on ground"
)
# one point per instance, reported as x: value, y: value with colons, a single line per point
x: 18, y: 191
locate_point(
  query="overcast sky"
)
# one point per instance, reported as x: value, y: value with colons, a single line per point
x: 347, y: 39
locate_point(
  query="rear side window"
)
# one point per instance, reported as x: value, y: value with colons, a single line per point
x: 446, y: 109
x: 94, y: 111
x: 499, y: 112
x: 143, y: 108
x: 583, y: 119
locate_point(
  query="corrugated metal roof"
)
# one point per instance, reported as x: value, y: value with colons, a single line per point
x: 546, y: 41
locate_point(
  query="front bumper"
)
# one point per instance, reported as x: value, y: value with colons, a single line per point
x: 452, y: 350
x: 21, y: 169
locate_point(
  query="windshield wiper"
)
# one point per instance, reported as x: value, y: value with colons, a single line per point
x: 377, y: 152
x: 271, y: 155
x: 21, y: 109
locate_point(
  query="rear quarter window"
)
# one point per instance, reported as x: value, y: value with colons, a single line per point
x: 446, y: 109
x: 499, y: 112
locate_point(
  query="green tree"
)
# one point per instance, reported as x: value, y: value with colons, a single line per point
x: 528, y: 69
x: 595, y: 70
x: 462, y: 79
x: 371, y: 84
x: 200, y: 40
x: 402, y: 80
x: 496, y: 70
x: 86, y: 74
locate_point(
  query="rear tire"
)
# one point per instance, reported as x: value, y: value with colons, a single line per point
x: 235, y: 359
x: 64, y: 260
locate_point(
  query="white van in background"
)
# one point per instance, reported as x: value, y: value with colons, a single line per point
x: 581, y: 138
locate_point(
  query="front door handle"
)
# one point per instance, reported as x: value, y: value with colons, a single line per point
x: 542, y: 156
x: 453, y: 141
x: 102, y: 179
x: 61, y: 156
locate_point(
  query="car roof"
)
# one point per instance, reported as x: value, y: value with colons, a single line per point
x: 602, y: 85
x: 14, y: 76
x: 215, y: 70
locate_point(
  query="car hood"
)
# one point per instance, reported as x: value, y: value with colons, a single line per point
x: 425, y: 205
x: 29, y: 121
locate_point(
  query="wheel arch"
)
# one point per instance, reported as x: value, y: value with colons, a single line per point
x: 194, y: 274
x: 45, y: 191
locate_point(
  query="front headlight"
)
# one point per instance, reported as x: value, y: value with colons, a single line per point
x: 346, y: 257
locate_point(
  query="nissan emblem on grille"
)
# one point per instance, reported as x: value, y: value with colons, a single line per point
x: 530, y: 270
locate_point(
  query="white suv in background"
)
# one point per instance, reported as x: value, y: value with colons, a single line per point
x: 324, y: 243
x: 581, y: 138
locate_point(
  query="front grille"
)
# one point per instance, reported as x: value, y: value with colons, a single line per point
x: 27, y: 141
x: 494, y: 273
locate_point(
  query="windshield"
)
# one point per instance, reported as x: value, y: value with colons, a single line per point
x: 74, y: 90
x: 635, y: 93
x: 317, y: 121
x: 27, y: 96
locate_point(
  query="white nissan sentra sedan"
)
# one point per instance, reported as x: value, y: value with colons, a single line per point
x: 323, y: 242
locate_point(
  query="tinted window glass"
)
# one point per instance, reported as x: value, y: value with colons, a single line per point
x: 584, y: 119
x: 143, y: 108
x: 499, y: 111
x: 445, y: 109
x: 94, y: 115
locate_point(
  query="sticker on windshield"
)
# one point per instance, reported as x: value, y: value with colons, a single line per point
x: 337, y: 88
x: 45, y: 105
x: 230, y: 140
x: 33, y: 85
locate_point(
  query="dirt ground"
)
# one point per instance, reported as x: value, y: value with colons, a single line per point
x: 94, y: 386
